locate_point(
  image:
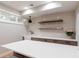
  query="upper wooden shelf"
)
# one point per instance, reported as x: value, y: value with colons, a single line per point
x: 51, y: 28
x: 53, y: 21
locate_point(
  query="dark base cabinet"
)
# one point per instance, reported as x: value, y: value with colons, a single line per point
x: 66, y: 42
x: 18, y: 55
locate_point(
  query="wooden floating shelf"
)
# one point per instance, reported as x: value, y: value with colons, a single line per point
x: 50, y: 29
x: 53, y: 21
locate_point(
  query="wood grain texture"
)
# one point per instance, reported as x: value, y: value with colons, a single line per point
x: 74, y: 43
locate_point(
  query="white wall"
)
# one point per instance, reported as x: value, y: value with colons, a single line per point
x: 77, y: 24
x: 10, y: 33
x: 69, y: 24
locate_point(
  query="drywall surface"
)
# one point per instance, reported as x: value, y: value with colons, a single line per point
x: 68, y: 24
x: 10, y: 33
x: 77, y: 24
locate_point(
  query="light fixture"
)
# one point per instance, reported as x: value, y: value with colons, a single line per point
x: 51, y: 6
x: 26, y: 8
x: 30, y: 21
x: 29, y: 11
x: 48, y: 1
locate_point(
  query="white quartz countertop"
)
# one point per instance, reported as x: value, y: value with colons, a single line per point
x: 54, y: 38
x: 43, y: 49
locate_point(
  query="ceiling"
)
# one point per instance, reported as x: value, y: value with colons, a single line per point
x: 19, y: 6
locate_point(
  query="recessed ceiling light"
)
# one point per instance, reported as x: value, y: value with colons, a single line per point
x: 51, y: 6
x: 48, y: 1
x: 29, y: 11
x: 26, y: 8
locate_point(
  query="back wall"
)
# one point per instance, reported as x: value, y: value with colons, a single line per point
x: 68, y: 24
